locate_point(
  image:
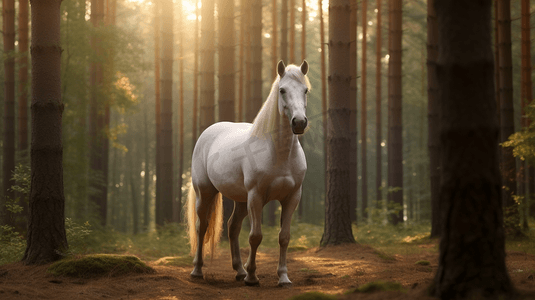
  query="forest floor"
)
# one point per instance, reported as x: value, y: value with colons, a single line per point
x: 332, y: 270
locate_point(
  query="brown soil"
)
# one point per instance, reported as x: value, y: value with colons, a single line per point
x: 332, y: 270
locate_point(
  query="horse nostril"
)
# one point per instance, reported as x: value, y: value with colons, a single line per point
x: 294, y: 123
x: 306, y: 122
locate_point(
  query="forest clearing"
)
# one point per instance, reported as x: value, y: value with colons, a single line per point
x: 407, y: 257
x: 138, y: 135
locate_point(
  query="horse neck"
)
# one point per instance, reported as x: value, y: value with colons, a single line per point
x: 284, y: 139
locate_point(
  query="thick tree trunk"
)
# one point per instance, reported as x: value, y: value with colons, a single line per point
x: 158, y: 109
x: 8, y: 9
x: 471, y: 262
x: 526, y: 86
x: 46, y: 241
x: 207, y: 64
x: 256, y: 51
x: 167, y: 183
x: 304, y: 31
x: 433, y: 118
x: 353, y: 159
x: 147, y: 178
x: 274, y: 40
x: 226, y: 81
x: 507, y: 126
x: 337, y: 217
x: 395, y: 149
x: 241, y: 58
x: 378, y: 111
x: 364, y: 115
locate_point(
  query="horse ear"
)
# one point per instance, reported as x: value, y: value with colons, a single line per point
x: 304, y: 67
x: 280, y: 68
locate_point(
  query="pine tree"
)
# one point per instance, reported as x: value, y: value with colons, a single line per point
x: 46, y: 241
x: 364, y: 115
x: 470, y: 182
x: 353, y: 62
x: 337, y: 218
x: 378, y: 111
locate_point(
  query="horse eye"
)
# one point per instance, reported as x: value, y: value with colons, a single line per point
x: 283, y: 91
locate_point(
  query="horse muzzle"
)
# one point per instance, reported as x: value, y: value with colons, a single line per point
x: 299, y: 125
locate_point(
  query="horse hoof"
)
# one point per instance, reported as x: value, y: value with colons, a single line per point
x: 240, y: 277
x: 285, y: 284
x: 196, y: 275
x: 252, y: 283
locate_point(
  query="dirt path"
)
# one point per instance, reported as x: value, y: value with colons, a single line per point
x: 332, y: 270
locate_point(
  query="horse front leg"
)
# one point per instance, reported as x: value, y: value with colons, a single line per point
x: 254, y: 206
x: 288, y: 208
x: 234, y: 228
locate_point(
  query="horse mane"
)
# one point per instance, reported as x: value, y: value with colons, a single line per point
x: 267, y: 119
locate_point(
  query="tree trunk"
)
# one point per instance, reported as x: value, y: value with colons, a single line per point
x: 395, y: 149
x: 303, y: 57
x: 526, y: 90
x: 507, y: 128
x: 147, y: 178
x: 207, y: 64
x: 378, y: 111
x: 364, y: 115
x: 226, y: 81
x: 167, y: 183
x: 284, y: 31
x: 96, y: 118
x: 241, y: 58
x: 274, y: 40
x: 8, y: 154
x: 23, y: 76
x: 337, y: 217
x: 46, y: 241
x: 470, y: 181
x: 292, y: 31
x: 323, y: 94
x: 177, y: 207
x: 158, y: 109
x: 195, y: 78
x: 433, y: 118
x: 353, y: 61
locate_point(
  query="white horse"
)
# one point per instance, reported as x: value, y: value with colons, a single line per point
x: 251, y: 164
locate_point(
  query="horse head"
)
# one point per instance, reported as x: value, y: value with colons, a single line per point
x: 293, y: 89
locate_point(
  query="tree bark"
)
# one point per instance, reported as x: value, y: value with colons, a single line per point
x: 507, y: 126
x: 395, y: 148
x: 353, y: 159
x: 46, y: 241
x: 97, y: 118
x: 364, y: 116
x: 292, y: 31
x: 8, y: 10
x: 207, y: 65
x: 177, y: 207
x: 378, y: 110
x: 303, y: 31
x: 471, y: 262
x: 433, y: 118
x: 274, y: 39
x: 195, y: 78
x: 337, y: 203
x: 23, y: 75
x: 158, y: 109
x: 147, y: 178
x: 526, y: 90
x: 323, y: 93
x: 241, y: 58
x: 284, y: 31
x: 167, y: 183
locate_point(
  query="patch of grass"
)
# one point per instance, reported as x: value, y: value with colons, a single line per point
x: 378, y: 286
x: 313, y: 296
x: 423, y: 263
x: 297, y: 248
x: 98, y: 265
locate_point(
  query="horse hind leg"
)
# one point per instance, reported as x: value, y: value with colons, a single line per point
x: 254, y: 207
x: 234, y: 228
x: 204, y: 203
x: 288, y: 207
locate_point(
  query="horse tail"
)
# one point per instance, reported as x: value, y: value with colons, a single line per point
x: 215, y: 223
x: 191, y: 215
